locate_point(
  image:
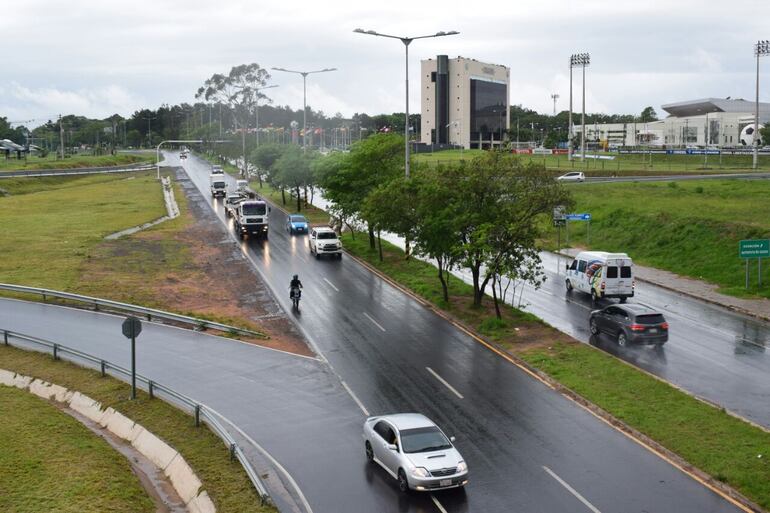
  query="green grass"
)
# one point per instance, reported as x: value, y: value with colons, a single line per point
x: 51, y: 462
x: 52, y: 162
x: 690, y: 227
x: 51, y: 226
x: 225, y: 481
x: 727, y: 448
x: 636, y: 164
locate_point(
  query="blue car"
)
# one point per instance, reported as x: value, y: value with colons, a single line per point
x: 296, y: 223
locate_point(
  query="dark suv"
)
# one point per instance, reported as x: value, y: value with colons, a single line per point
x: 630, y: 323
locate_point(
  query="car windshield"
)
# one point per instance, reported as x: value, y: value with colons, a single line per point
x: 327, y: 235
x: 254, y: 209
x: 219, y: 185
x: 298, y: 219
x: 424, y: 439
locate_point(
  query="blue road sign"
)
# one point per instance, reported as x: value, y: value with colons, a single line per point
x: 578, y: 217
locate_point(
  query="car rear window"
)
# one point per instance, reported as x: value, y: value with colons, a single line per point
x: 612, y: 272
x: 625, y: 271
x: 650, y: 319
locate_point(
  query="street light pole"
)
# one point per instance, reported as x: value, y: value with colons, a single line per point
x: 149, y: 131
x: 761, y: 49
x: 304, y: 97
x: 407, y: 41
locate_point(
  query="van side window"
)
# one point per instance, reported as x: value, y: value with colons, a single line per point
x: 612, y: 272
x: 625, y: 271
x: 581, y: 266
x: 573, y: 266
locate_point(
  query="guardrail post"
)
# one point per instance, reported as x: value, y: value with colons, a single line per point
x: 150, y: 388
x: 232, y: 452
x: 96, y: 307
x: 149, y: 317
x: 103, y: 368
x: 43, y: 297
x: 197, y: 415
x: 56, y: 351
x: 5, y: 337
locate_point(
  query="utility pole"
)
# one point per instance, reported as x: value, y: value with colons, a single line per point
x: 554, y: 97
x: 149, y: 131
x: 761, y: 49
x: 61, y: 136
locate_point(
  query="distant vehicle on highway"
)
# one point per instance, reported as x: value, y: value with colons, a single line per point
x: 602, y: 275
x: 218, y: 185
x: 324, y: 241
x: 242, y: 186
x: 182, y: 156
x: 414, y: 451
x: 217, y: 170
x: 231, y: 203
x: 630, y: 324
x: 296, y: 223
x: 574, y: 176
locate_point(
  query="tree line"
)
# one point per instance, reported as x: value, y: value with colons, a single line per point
x: 485, y: 214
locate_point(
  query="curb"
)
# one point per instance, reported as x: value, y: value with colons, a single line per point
x: 733, y: 308
x: 183, y: 479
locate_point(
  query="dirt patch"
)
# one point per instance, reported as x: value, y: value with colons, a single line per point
x: 192, y: 267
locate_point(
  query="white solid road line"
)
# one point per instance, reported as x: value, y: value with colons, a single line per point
x: 375, y: 322
x: 438, y: 504
x: 571, y: 490
x: 331, y: 285
x: 442, y: 380
x: 355, y: 398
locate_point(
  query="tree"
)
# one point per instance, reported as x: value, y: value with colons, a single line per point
x: 370, y: 164
x: 240, y: 90
x: 764, y: 133
x: 648, y: 114
x: 293, y: 170
x: 493, y: 205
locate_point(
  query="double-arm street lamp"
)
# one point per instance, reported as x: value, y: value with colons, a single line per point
x: 407, y: 41
x: 583, y: 60
x: 761, y: 49
x: 304, y: 96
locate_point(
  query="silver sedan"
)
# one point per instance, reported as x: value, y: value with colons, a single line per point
x: 414, y: 451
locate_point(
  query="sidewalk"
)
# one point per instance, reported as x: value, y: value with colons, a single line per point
x: 695, y: 288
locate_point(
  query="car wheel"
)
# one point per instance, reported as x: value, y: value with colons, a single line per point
x: 594, y: 328
x: 339, y: 256
x: 569, y: 286
x: 317, y: 256
x: 403, y: 484
x: 622, y: 339
x: 369, y: 452
x: 623, y: 300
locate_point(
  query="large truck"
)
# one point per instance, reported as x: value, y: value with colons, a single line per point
x: 251, y: 217
x: 218, y: 185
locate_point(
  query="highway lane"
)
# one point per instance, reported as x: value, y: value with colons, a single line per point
x: 515, y: 432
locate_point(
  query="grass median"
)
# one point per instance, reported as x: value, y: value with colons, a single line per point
x: 51, y: 161
x: 225, y: 481
x: 691, y: 228
x: 725, y: 447
x: 51, y: 462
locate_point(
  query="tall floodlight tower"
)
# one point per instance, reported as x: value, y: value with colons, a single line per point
x: 761, y: 49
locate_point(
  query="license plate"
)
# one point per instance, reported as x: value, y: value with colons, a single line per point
x: 653, y: 330
x: 445, y: 482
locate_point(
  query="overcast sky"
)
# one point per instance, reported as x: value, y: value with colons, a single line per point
x: 96, y: 58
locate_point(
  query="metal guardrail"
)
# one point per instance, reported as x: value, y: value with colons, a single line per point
x: 150, y: 313
x: 199, y: 412
x: 75, y: 171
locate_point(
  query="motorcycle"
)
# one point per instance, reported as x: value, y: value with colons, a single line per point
x: 294, y: 295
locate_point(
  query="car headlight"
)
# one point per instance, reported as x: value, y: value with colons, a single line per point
x: 462, y: 467
x: 420, y: 472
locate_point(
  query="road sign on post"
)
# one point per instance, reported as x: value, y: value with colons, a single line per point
x: 132, y: 327
x: 754, y: 248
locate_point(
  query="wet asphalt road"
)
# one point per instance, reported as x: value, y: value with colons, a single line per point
x: 525, y: 444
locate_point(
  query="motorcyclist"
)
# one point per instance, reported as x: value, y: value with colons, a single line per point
x: 295, y: 284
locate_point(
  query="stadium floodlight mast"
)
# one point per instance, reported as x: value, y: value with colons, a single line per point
x: 554, y: 97
x: 304, y: 97
x: 575, y: 60
x: 256, y: 108
x: 407, y: 41
x: 761, y: 49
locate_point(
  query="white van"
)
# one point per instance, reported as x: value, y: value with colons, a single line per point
x: 242, y: 186
x: 602, y: 274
